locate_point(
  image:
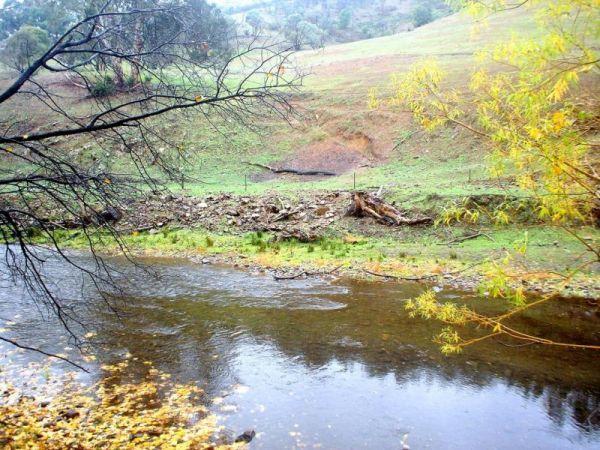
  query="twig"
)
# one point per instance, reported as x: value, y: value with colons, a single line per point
x: 37, y: 350
x: 423, y: 277
x: 462, y: 239
x: 592, y: 414
x: 293, y: 171
x: 308, y: 274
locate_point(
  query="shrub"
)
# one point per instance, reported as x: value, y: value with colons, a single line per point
x: 103, y: 87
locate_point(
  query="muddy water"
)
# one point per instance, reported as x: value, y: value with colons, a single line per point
x: 336, y: 365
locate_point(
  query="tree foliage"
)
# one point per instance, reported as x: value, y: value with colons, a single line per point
x: 25, y: 46
x: 422, y: 15
x: 345, y: 18
x: 300, y: 32
x: 523, y: 107
x: 255, y: 20
x: 52, y: 16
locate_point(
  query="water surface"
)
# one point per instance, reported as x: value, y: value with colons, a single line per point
x: 332, y: 364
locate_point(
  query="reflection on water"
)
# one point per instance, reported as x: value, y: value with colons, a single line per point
x: 338, y: 365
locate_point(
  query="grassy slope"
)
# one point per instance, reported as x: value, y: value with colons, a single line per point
x: 334, y: 105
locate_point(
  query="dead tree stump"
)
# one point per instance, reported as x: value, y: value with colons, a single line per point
x: 368, y: 205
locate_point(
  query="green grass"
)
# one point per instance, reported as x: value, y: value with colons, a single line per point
x: 452, y: 34
x: 412, y: 252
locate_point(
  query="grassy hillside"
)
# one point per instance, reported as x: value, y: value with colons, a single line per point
x: 335, y: 129
x: 334, y: 22
x: 338, y: 132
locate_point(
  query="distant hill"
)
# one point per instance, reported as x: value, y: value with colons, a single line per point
x: 314, y: 23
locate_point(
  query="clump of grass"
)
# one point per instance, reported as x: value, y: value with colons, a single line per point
x: 310, y: 249
x: 453, y: 255
x: 209, y: 241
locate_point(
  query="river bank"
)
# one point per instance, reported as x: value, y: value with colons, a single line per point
x: 311, y: 235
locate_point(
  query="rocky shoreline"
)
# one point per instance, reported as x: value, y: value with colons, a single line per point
x: 308, y: 217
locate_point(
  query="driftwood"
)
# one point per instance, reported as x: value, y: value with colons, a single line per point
x: 467, y: 238
x: 365, y: 204
x: 306, y: 273
x: 422, y: 277
x: 286, y: 215
x: 294, y: 171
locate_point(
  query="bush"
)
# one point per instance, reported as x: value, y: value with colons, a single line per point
x: 422, y: 15
x: 104, y: 87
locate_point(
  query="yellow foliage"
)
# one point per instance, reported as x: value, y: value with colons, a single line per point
x: 112, y: 414
x: 526, y: 116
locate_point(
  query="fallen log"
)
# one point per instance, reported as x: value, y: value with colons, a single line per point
x: 365, y: 204
x: 294, y: 171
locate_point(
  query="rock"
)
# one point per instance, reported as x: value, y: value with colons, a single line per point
x: 110, y: 214
x: 70, y: 414
x: 246, y: 436
x: 203, y: 205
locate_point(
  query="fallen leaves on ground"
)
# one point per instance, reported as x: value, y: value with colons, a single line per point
x: 112, y: 414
